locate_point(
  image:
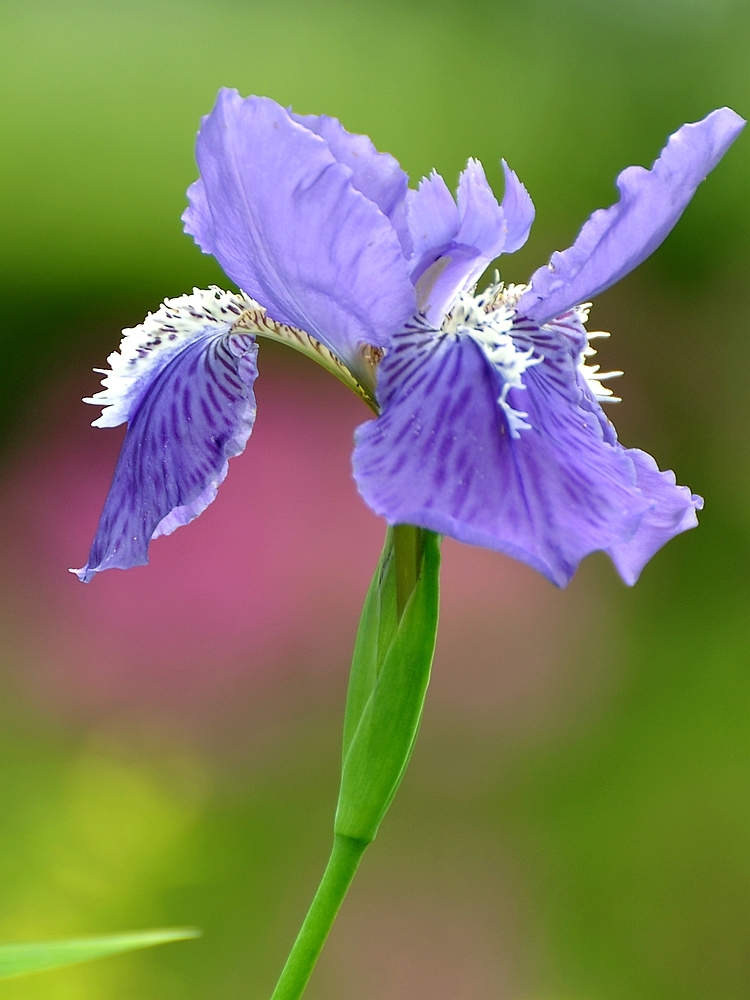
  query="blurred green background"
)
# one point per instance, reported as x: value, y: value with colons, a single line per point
x: 574, y: 825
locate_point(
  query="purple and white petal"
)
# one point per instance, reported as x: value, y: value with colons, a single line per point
x: 672, y: 512
x: 442, y: 456
x: 615, y: 240
x: 286, y: 222
x: 146, y: 349
x: 377, y: 175
x: 184, y: 383
x: 518, y: 209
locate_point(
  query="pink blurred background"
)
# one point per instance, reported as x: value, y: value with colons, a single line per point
x: 269, y: 580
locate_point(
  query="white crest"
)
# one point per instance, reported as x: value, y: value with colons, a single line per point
x: 146, y: 349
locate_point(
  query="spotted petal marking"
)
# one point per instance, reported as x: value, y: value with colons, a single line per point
x: 145, y: 350
x: 184, y: 382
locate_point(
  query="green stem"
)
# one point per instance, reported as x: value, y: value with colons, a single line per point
x: 344, y: 861
x: 390, y: 673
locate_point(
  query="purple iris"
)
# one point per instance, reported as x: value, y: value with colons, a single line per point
x: 488, y: 424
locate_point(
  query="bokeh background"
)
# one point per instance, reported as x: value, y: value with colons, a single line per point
x: 574, y: 824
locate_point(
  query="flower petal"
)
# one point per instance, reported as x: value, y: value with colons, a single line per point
x: 673, y: 512
x: 482, y: 223
x: 452, y: 244
x: 287, y: 224
x: 186, y: 419
x: 615, y: 240
x: 377, y: 175
x: 441, y: 455
x: 518, y: 209
x: 148, y: 348
x: 432, y: 215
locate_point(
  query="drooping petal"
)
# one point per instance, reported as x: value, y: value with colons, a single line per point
x: 441, y: 455
x: 148, y: 348
x: 377, y: 175
x: 673, y: 512
x: 518, y: 209
x: 287, y: 224
x: 615, y: 240
x: 190, y: 407
x: 453, y: 243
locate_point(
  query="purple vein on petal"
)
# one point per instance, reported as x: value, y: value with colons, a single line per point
x: 190, y: 407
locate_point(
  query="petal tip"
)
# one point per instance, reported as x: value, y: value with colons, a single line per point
x: 617, y: 239
x: 84, y: 574
x: 733, y: 123
x: 518, y: 208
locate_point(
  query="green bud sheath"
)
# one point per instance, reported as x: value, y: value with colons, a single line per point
x: 390, y: 674
x: 389, y: 677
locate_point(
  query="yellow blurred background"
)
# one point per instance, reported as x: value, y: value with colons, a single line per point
x: 574, y: 824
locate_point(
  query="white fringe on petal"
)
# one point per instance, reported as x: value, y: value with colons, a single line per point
x: 145, y: 350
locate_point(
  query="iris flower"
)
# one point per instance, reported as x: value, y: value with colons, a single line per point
x: 488, y: 425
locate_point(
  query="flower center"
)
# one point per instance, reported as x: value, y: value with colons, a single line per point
x: 488, y: 319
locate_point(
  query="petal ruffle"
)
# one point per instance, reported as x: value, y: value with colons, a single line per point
x: 441, y: 455
x: 673, y: 512
x: 377, y: 175
x: 284, y: 219
x: 615, y: 240
x: 186, y: 419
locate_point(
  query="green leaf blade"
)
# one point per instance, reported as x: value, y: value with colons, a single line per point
x: 27, y: 957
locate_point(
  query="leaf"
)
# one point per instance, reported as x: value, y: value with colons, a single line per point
x: 390, y: 673
x: 35, y: 956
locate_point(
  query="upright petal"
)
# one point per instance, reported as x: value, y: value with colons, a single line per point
x: 432, y: 215
x: 377, y: 175
x: 184, y: 382
x: 482, y: 222
x: 615, y: 240
x: 672, y: 512
x: 452, y: 244
x: 441, y: 455
x: 286, y: 222
x: 518, y: 209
